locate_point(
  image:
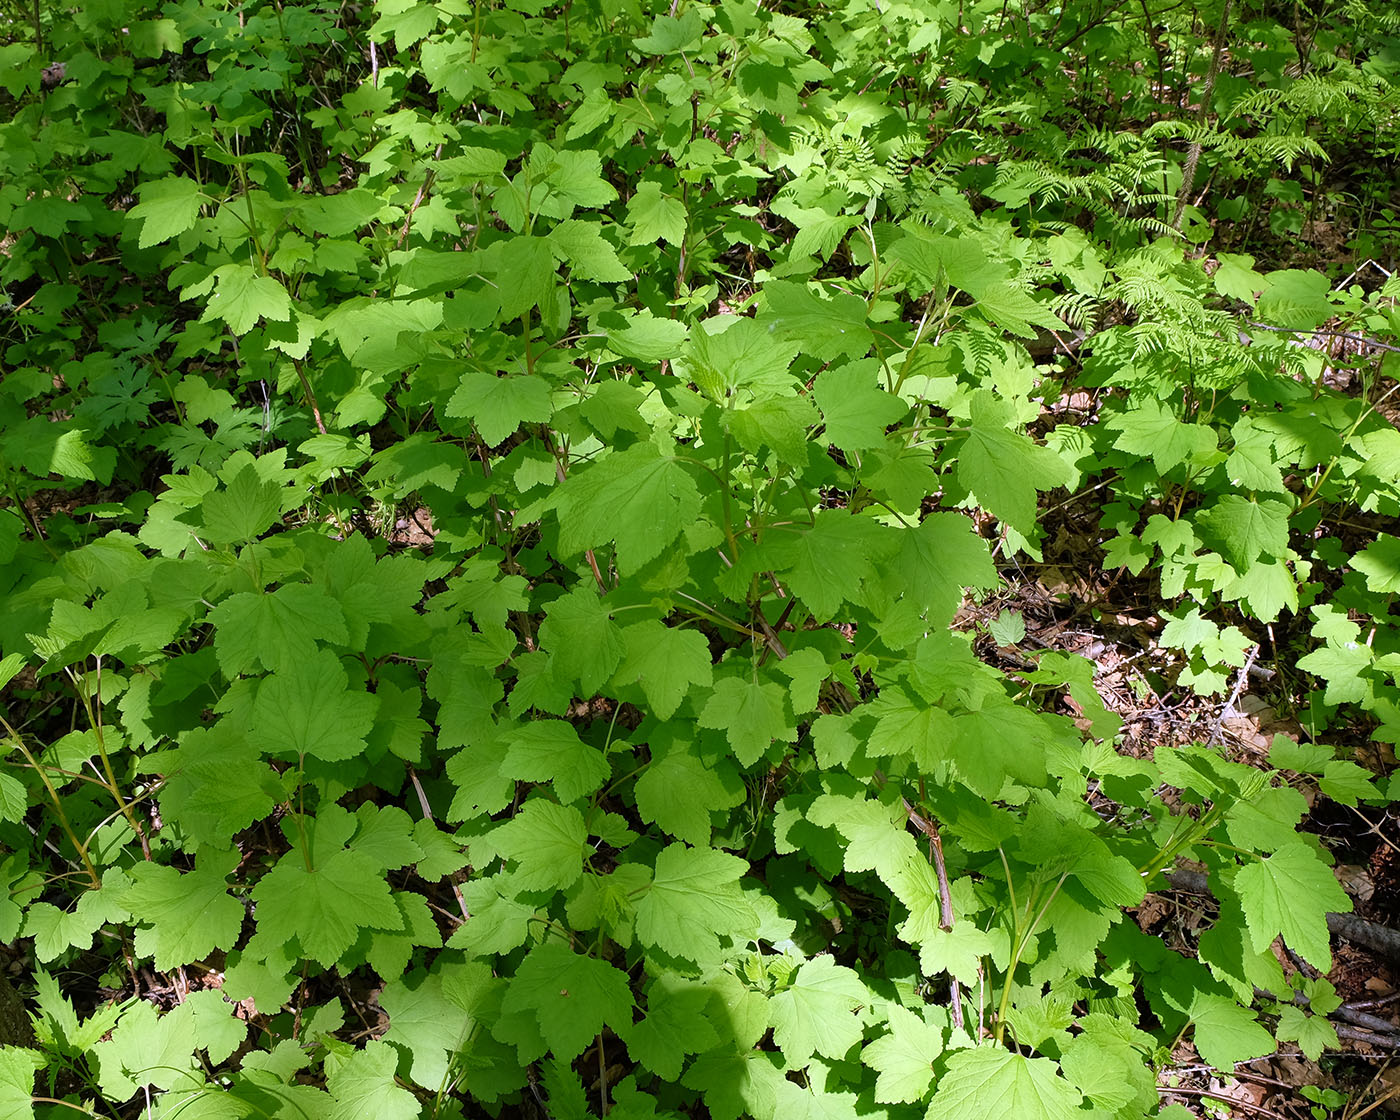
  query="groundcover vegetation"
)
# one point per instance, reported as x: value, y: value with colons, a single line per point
x: 489, y: 489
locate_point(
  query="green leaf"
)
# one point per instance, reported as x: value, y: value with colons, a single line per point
x: 827, y: 564
x: 274, y: 630
x: 551, y: 751
x: 581, y: 638
x: 18, y: 1066
x: 726, y: 354
x: 589, y: 255
x: 243, y: 510
x: 752, y: 713
x: 1290, y: 893
x: 1313, y: 1033
x: 1296, y: 298
x: 500, y: 405
x: 826, y: 328
x: 655, y: 217
x: 678, y: 792
x: 1379, y: 562
x: 904, y: 1057
x: 168, y: 208
x: 734, y: 1085
x: 856, y: 411
x: 815, y: 1013
x: 546, y: 841
x: 1150, y: 428
x: 362, y: 1084
x: 638, y: 498
x: 571, y: 997
x: 324, y: 909
x: 693, y: 901
x: 677, y: 1024
x: 1002, y: 469
x: 310, y: 710
x: 243, y: 297
x: 667, y: 661
x: 937, y: 560
x: 991, y: 1081
x: 1227, y: 1033
x: 185, y: 916
x: 1245, y: 529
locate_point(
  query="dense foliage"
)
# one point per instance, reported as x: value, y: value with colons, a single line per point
x: 488, y: 491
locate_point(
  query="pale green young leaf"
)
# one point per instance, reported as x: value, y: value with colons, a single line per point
x: 937, y: 560
x: 738, y: 354
x: 1312, y: 1033
x: 1290, y: 893
x: 816, y: 1012
x: 904, y: 1057
x: 1150, y: 428
x: 242, y: 297
x: 694, y: 900
x: 1225, y: 1032
x: 242, y: 510
x: 498, y: 406
x: 992, y: 1081
x: 737, y: 1084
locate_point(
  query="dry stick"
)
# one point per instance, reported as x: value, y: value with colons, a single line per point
x: 1234, y: 696
x: 418, y: 200
x: 1348, y: 336
x: 945, y: 895
x: 1193, y: 155
x: 1219, y: 1096
x: 428, y: 815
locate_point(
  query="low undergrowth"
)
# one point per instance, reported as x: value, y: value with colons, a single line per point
x: 488, y: 491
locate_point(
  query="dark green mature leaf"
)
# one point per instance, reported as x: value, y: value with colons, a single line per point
x: 571, y: 997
